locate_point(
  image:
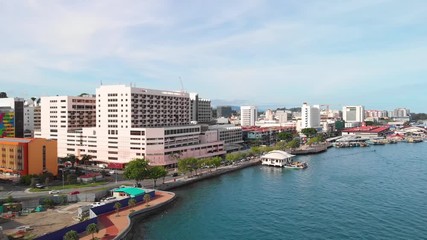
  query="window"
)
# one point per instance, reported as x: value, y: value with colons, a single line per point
x: 44, y: 157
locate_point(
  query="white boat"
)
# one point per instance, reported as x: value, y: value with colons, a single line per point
x: 297, y: 165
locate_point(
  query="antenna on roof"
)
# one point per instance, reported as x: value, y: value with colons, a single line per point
x: 182, y: 85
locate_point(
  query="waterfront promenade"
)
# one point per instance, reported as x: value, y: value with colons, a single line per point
x: 111, y: 225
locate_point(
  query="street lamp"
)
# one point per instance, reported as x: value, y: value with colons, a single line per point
x: 63, y: 184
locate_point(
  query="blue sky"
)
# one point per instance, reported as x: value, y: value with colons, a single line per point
x: 265, y: 53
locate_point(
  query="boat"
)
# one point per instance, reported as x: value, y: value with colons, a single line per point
x: 296, y: 165
x: 413, y: 140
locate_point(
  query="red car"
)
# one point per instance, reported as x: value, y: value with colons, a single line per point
x: 74, y: 192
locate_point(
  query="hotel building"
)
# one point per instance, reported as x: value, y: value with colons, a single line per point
x: 130, y: 123
x: 353, y: 115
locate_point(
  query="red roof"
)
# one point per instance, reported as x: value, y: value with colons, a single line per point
x: 265, y: 129
x: 367, y: 129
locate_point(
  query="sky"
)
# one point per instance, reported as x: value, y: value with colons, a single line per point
x: 243, y: 52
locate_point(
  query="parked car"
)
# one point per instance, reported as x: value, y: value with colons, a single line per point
x: 40, y: 186
x: 96, y: 204
x: 175, y: 174
x: 74, y: 192
x: 109, y: 199
x: 54, y: 192
x: 24, y: 228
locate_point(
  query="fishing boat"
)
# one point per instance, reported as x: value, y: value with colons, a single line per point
x: 296, y: 165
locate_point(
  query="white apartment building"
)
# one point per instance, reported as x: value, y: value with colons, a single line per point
x: 32, y: 118
x: 248, y: 116
x: 310, y: 116
x: 61, y: 116
x: 200, y: 109
x: 283, y: 116
x: 353, y: 115
x: 138, y: 123
x: 269, y: 115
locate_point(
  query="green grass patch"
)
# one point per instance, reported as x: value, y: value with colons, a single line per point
x: 69, y: 186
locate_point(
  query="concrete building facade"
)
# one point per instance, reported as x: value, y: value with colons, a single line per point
x: 353, y: 115
x: 310, y: 116
x: 134, y: 123
x: 200, y: 109
x: 224, y: 111
x: 11, y: 117
x: 248, y: 116
x: 25, y: 156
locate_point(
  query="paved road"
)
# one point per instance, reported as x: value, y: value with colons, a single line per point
x: 24, y: 193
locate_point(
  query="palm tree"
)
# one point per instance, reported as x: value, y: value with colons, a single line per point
x: 92, y: 229
x: 117, y: 206
x: 71, y: 235
x: 132, y: 203
x: 147, y: 198
x: 86, y: 159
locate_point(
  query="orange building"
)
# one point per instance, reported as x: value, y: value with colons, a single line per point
x: 25, y: 156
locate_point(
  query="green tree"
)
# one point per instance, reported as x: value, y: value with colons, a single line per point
x: 183, y: 166
x: 147, y: 199
x: 293, y: 144
x: 255, y: 150
x: 71, y: 235
x: 86, y: 159
x: 285, y: 136
x: 71, y: 158
x: 309, y: 132
x: 48, y: 202
x: 137, y: 170
x: 157, y: 172
x: 10, y: 199
x: 132, y: 203
x: 92, y: 229
x: 117, y: 206
x: 216, y: 161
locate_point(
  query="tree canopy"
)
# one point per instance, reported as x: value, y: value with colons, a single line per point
x: 157, y: 172
x: 137, y: 170
x: 285, y: 136
x: 71, y: 235
x: 309, y: 132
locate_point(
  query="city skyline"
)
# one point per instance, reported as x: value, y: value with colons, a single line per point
x: 259, y: 53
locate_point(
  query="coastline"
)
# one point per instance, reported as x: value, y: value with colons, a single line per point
x: 112, y: 227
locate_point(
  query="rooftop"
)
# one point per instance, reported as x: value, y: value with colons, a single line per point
x: 133, y: 192
x: 367, y: 129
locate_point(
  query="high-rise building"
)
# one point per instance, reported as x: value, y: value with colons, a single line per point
x: 401, y: 112
x: 223, y: 111
x: 310, y: 116
x: 248, y: 115
x: 137, y: 123
x: 32, y: 118
x: 353, y: 115
x: 282, y: 116
x: 269, y: 115
x: 12, y: 117
x: 200, y: 109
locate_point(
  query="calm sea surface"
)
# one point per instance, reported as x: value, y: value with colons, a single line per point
x: 355, y: 193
